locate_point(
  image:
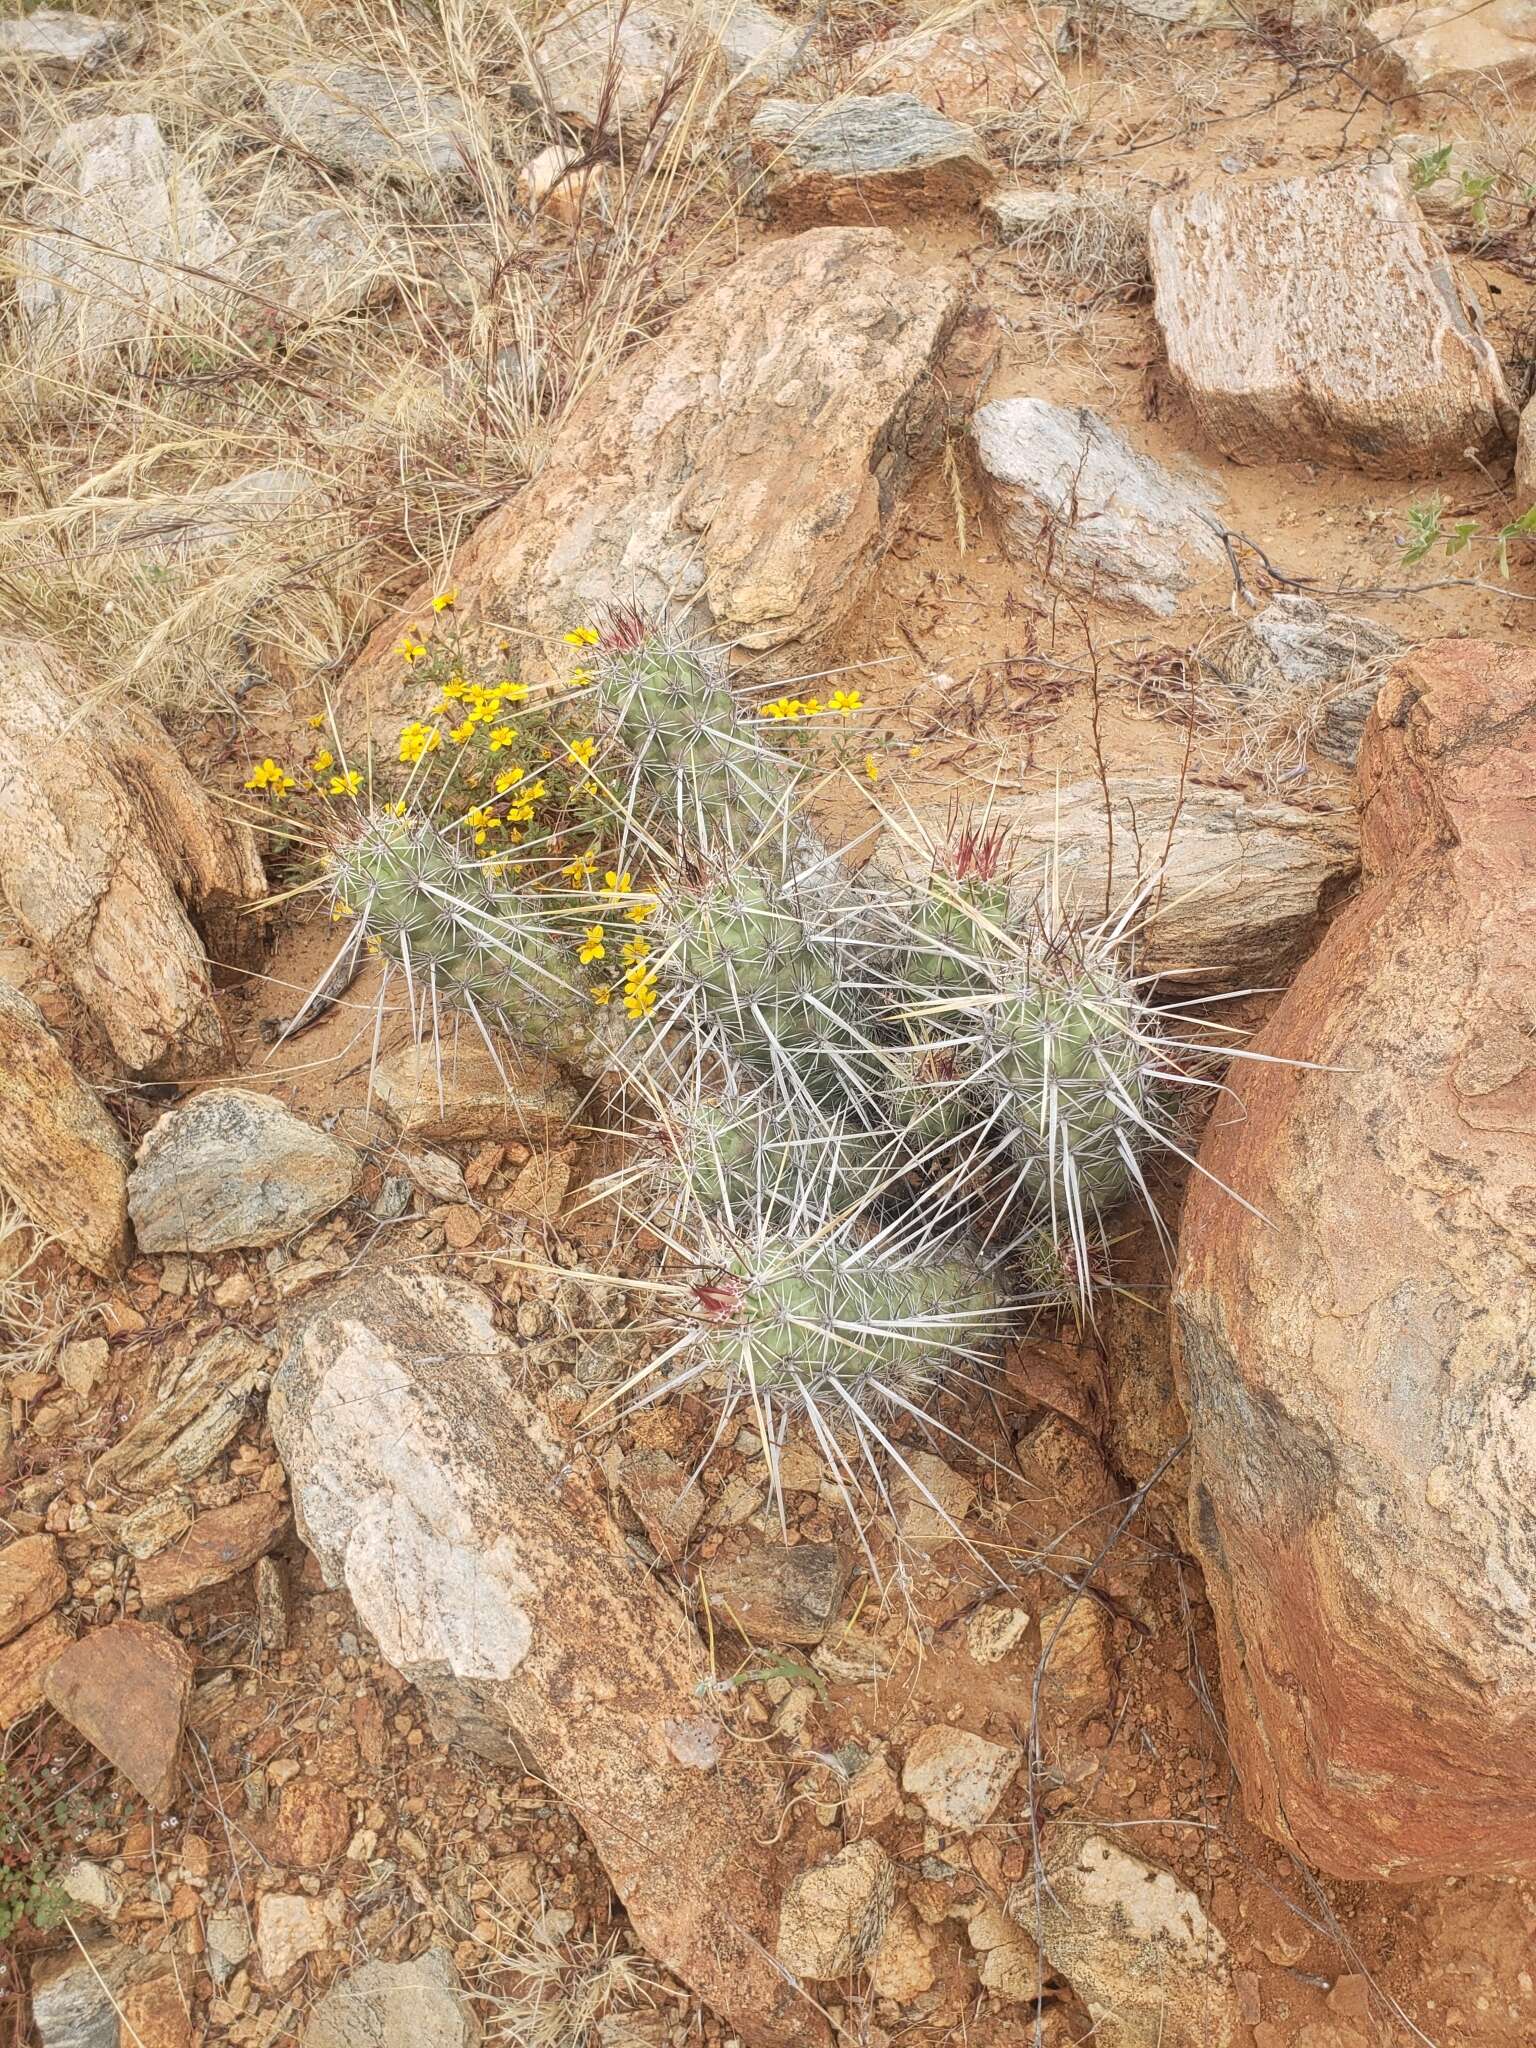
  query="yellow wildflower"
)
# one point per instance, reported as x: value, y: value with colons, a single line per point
x: 582, y: 636
x: 396, y: 809
x: 592, y: 947
x: 323, y: 760
x: 481, y: 821
x: 847, y: 701
x: 812, y: 707
x: 444, y: 600
x: 638, y: 912
x: 579, y: 678
x: 270, y: 778
x: 417, y: 739
x: 635, y: 949
x: 615, y: 884
x: 580, y: 869
x: 461, y: 733
x: 502, y: 736
x: 871, y: 767
x: 582, y: 751
x: 348, y: 784
x: 512, y: 693
x: 410, y: 648
x: 316, y: 722
x: 600, y: 992
x: 639, y: 991
x: 509, y: 778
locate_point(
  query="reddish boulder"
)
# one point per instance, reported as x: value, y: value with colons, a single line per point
x: 1356, y: 1358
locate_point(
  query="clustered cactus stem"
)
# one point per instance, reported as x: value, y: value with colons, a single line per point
x: 884, y: 1116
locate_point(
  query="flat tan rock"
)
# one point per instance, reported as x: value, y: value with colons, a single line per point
x: 63, y: 1160
x: 747, y: 467
x: 108, y: 851
x: 197, y: 1408
x: 458, y: 1090
x: 421, y: 1482
x: 126, y: 1688
x: 990, y: 64
x: 866, y: 157
x: 1451, y: 48
x: 218, y: 1546
x: 24, y: 1664
x: 1237, y: 885
x: 1135, y: 1945
x: 1318, y: 318
x: 835, y: 1913
x: 32, y: 1583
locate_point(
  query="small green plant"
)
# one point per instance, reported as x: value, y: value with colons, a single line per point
x: 1431, y: 165
x: 40, y: 1814
x: 1429, y: 529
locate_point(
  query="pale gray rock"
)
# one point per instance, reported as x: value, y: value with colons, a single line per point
x: 835, y: 1914
x: 1294, y: 338
x: 759, y: 47
x: 866, y: 157
x: 624, y: 64
x: 429, y: 1487
x: 186, y: 528
x: 228, y: 1935
x: 417, y: 2004
x: 1073, y: 498
x: 324, y: 265
x: 609, y: 62
x: 66, y: 46
x: 232, y: 1169
x: 1134, y: 1944
x: 1235, y: 885
x: 369, y: 122
x: 117, y: 240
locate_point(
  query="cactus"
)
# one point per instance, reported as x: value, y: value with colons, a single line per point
x: 698, y: 776
x: 720, y: 1147
x: 835, y: 1324
x: 462, y: 933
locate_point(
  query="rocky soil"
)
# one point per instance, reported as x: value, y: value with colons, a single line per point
x: 1128, y: 399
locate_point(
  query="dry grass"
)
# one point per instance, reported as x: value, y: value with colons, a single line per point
x: 411, y: 419
x: 1096, y: 240
x: 541, y: 1985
